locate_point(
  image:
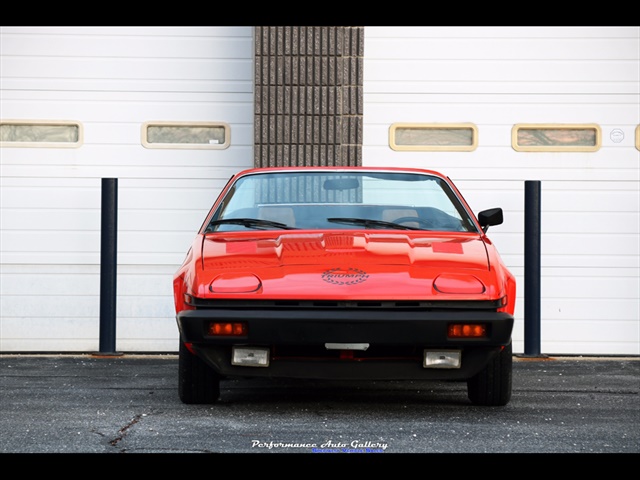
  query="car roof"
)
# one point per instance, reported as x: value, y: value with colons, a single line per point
x: 340, y: 169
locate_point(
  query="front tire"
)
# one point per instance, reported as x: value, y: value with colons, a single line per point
x: 492, y: 385
x: 198, y: 383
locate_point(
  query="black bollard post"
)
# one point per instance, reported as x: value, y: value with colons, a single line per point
x: 108, y: 266
x: 532, y: 269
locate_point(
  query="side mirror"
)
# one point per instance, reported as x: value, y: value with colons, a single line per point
x: 492, y: 216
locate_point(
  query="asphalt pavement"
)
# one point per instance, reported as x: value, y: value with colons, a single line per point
x: 129, y: 404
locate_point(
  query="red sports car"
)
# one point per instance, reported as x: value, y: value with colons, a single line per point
x: 351, y: 273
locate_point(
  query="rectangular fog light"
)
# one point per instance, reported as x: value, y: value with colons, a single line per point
x: 250, y: 356
x: 442, y: 358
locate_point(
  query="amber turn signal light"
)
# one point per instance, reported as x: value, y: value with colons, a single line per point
x: 469, y: 330
x: 235, y: 329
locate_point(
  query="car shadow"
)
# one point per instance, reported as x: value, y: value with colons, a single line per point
x: 245, y: 391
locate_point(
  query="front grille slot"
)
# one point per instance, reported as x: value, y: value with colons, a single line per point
x: 391, y: 305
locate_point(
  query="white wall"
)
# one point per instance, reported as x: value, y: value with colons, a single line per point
x: 111, y: 80
x: 496, y: 77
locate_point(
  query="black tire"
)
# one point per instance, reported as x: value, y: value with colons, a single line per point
x: 198, y: 383
x: 492, y: 385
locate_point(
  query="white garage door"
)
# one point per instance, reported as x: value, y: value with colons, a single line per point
x: 495, y: 78
x: 111, y: 81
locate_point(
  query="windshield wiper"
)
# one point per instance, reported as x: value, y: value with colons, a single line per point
x: 249, y: 223
x: 367, y: 222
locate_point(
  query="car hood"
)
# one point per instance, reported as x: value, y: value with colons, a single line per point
x: 346, y: 265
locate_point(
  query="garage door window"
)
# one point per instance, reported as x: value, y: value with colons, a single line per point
x: 188, y: 135
x: 36, y: 133
x: 429, y: 137
x: 555, y: 138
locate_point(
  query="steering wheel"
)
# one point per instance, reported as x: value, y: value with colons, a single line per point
x: 420, y: 221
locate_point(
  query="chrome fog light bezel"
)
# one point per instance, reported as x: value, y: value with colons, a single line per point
x: 250, y: 356
x: 442, y: 359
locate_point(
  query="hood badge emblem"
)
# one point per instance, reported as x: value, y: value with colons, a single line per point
x: 344, y: 276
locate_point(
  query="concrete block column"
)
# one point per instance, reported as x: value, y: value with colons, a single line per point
x: 308, y: 96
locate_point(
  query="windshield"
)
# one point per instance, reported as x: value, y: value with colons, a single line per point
x: 340, y: 200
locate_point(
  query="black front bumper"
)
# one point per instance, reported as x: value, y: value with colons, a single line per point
x: 380, y: 328
x: 319, y: 326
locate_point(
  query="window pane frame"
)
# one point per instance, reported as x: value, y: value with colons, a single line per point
x: 393, y: 133
x: 144, y: 132
x: 559, y: 147
x: 79, y: 134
